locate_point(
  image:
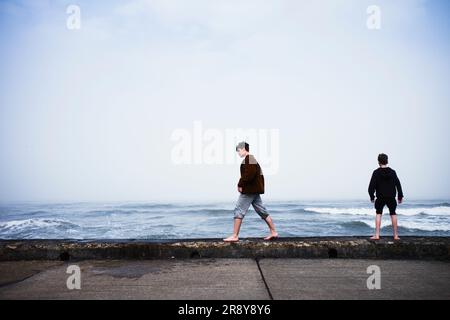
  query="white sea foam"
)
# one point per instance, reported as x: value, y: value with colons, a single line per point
x: 408, y: 224
x: 424, y: 225
x: 31, y: 223
x: 434, y: 211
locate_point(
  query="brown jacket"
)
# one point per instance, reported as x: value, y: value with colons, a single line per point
x: 252, y: 179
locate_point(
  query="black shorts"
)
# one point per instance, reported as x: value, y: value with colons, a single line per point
x: 391, y: 203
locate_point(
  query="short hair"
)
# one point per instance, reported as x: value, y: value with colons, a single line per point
x: 243, y: 145
x: 383, y: 159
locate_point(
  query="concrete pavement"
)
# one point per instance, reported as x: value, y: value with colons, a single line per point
x: 347, y: 279
x: 236, y: 279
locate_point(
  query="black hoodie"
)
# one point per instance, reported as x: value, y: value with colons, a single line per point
x: 385, y: 182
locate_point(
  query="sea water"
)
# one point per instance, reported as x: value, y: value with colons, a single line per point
x: 158, y: 220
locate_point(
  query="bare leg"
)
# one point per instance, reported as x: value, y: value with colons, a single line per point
x: 395, y: 226
x: 236, y: 228
x: 377, y: 227
x: 271, y: 225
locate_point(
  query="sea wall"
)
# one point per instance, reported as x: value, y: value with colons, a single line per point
x: 430, y: 248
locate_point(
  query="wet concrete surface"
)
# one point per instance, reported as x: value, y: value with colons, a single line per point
x: 151, y: 279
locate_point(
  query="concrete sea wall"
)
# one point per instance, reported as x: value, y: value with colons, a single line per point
x: 429, y: 248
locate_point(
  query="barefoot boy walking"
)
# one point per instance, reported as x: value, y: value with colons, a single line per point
x: 250, y: 185
x: 386, y: 184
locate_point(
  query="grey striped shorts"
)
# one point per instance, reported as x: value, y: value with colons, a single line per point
x: 243, y: 204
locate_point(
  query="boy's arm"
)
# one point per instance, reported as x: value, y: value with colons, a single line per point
x: 372, y: 185
x: 248, y: 174
x: 399, y: 188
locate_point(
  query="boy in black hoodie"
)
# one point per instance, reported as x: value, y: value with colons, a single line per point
x: 386, y: 184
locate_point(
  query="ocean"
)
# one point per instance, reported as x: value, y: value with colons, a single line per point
x: 153, y: 220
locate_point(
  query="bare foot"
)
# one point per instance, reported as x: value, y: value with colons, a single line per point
x: 272, y: 236
x: 375, y: 238
x: 231, y: 239
x: 396, y: 238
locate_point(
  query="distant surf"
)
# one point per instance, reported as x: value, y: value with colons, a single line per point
x: 138, y: 220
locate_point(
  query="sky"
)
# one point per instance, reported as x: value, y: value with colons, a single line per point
x: 99, y: 113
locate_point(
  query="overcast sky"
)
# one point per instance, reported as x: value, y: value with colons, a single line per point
x: 90, y: 114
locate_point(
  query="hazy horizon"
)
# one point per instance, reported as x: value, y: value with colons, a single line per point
x: 90, y: 114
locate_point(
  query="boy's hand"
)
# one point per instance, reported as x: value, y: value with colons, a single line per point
x: 240, y: 189
x: 400, y: 200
